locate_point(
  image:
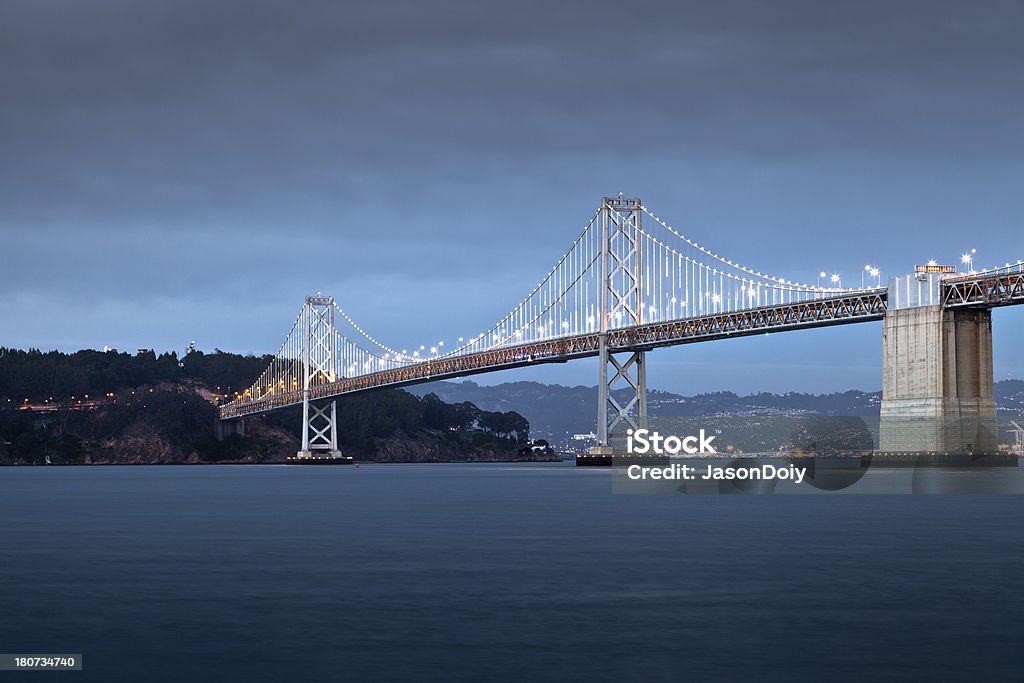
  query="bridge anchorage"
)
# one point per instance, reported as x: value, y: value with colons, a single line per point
x: 631, y: 283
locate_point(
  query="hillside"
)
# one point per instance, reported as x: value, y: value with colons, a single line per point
x: 111, y: 407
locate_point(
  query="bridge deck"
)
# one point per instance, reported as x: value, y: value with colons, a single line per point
x: 862, y: 306
x: 989, y: 290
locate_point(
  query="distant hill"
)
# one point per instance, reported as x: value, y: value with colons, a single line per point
x: 1010, y: 397
x: 555, y: 412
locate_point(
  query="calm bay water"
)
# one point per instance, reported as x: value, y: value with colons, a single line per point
x: 498, y: 572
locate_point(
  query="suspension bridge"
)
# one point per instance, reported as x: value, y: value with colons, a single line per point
x: 627, y: 284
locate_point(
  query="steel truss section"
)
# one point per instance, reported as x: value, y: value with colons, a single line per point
x: 819, y: 313
x: 995, y: 289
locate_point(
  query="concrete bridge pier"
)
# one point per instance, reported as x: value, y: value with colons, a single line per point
x: 937, y: 384
x: 225, y: 428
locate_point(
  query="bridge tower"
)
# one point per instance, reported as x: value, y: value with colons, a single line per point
x: 937, y: 380
x: 319, y: 361
x: 621, y: 304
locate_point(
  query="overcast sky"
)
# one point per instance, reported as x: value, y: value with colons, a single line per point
x: 178, y: 170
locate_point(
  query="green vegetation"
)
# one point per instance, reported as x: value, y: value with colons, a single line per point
x: 148, y: 426
x: 144, y: 408
x: 369, y: 425
x: 39, y: 376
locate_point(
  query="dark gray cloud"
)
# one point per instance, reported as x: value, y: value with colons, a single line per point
x: 164, y: 162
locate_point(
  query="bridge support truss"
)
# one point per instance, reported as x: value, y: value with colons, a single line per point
x: 319, y: 433
x: 621, y: 400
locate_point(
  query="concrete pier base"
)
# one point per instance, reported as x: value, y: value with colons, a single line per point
x: 937, y: 385
x: 599, y: 456
x: 317, y: 455
x: 225, y: 428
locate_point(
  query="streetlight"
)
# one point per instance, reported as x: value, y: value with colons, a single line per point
x: 968, y: 260
x: 821, y: 275
x: 836, y: 280
x: 877, y: 274
x: 867, y: 269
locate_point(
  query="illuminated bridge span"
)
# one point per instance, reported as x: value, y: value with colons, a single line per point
x: 629, y: 283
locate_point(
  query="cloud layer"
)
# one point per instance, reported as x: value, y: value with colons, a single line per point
x: 177, y: 170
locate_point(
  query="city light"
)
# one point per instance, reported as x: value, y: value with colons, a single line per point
x: 968, y: 260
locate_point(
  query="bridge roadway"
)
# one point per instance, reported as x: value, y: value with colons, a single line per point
x: 982, y: 290
x: 990, y: 290
x: 853, y: 307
